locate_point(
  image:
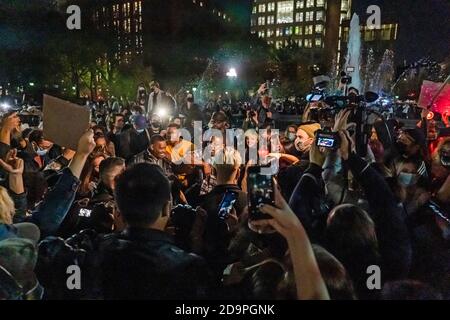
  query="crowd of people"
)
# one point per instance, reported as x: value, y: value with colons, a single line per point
x: 138, y: 212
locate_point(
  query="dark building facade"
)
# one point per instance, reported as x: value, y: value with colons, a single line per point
x: 167, y: 35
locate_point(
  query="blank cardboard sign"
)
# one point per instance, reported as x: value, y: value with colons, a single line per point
x: 64, y: 122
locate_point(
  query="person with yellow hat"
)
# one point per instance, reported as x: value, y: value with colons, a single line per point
x: 305, y: 137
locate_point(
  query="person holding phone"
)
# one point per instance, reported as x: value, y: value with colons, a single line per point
x: 309, y: 282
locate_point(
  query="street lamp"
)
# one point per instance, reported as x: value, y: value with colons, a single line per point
x: 232, y: 73
x: 194, y: 89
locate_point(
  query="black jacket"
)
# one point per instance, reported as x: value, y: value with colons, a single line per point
x: 138, y: 264
x: 146, y: 264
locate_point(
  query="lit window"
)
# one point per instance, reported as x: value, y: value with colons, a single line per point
x: 261, y: 21
x: 253, y: 22
x: 279, y: 32
x: 270, y: 33
x: 270, y: 19
x: 288, y: 31
x: 271, y: 7
x: 300, y: 4
x: 319, y: 28
x: 309, y: 3
x: 300, y: 43
x: 255, y: 9
x: 285, y: 12
x: 318, y: 42
x: 201, y: 4
x: 299, y: 17
x: 319, y: 15
x: 344, y: 5
x: 279, y: 44
x: 309, y: 30
x: 320, y: 3
x: 262, y: 8
x: 298, y: 31
x: 308, y: 43
x: 309, y: 16
x: 369, y: 35
x: 261, y: 34
x: 386, y: 32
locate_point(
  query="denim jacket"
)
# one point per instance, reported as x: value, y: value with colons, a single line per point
x: 52, y: 210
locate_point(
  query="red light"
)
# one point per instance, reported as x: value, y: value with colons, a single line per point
x: 430, y: 115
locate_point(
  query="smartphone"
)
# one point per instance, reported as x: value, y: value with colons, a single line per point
x: 328, y: 140
x: 260, y: 191
x: 225, y: 207
x: 85, y: 213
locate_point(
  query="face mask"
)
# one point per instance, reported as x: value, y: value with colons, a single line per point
x: 408, y: 179
x: 156, y: 124
x: 140, y: 130
x: 291, y: 136
x: 302, y: 146
x: 190, y: 100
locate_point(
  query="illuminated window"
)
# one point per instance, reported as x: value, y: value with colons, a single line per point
x: 300, y: 4
x: 386, y: 32
x: 271, y: 7
x: 270, y: 33
x: 369, y: 35
x: 309, y: 3
x: 253, y: 22
x: 270, y: 19
x: 261, y: 21
x: 201, y: 4
x: 300, y: 43
x: 285, y: 13
x: 261, y: 34
x: 288, y: 31
x: 319, y: 28
x: 319, y: 15
x: 318, y: 43
x: 344, y: 5
x: 279, y: 32
x: 255, y: 9
x: 309, y: 30
x: 299, y: 17
x: 320, y: 3
x: 298, y: 31
x: 262, y: 8
x: 279, y: 44
x: 309, y: 16
x: 308, y: 43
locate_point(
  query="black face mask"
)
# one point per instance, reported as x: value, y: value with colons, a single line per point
x: 190, y: 100
x: 156, y: 124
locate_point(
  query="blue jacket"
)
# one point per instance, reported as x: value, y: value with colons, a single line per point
x: 52, y: 210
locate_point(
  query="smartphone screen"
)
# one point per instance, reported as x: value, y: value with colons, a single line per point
x: 260, y: 191
x: 85, y: 213
x: 325, y: 142
x: 226, y: 205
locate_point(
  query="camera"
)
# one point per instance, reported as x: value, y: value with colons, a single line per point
x: 31, y: 120
x: 328, y: 139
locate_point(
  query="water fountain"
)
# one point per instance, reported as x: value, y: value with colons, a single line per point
x: 353, y: 59
x: 385, y: 74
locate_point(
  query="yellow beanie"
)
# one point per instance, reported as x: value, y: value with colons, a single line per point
x: 310, y: 129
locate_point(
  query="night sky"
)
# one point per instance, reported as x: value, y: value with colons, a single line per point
x: 424, y: 25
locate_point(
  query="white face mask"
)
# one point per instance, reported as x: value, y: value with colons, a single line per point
x: 302, y: 146
x: 140, y: 130
x: 408, y: 179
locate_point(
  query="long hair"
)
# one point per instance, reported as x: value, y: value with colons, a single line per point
x: 7, y: 209
x: 87, y: 173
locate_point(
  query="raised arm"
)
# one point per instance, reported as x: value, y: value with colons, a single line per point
x: 53, y: 209
x: 309, y: 282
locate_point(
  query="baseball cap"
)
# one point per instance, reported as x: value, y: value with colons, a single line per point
x: 140, y: 122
